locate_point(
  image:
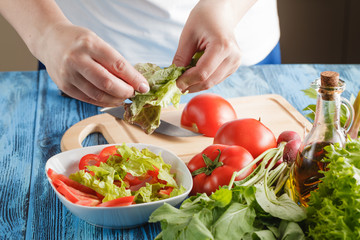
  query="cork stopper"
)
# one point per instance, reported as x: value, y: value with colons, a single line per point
x: 329, y: 79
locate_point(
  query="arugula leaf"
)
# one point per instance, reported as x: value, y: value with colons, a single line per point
x: 282, y: 207
x: 291, y: 231
x: 235, y: 222
x: 226, y: 214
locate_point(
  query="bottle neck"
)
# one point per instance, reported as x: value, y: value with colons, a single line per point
x: 328, y: 109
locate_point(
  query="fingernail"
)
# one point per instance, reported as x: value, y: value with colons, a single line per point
x: 144, y: 88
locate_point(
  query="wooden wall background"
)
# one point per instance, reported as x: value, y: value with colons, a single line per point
x: 312, y: 31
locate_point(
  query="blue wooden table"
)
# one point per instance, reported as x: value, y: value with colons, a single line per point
x: 34, y: 117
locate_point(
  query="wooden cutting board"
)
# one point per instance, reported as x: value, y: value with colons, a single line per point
x: 273, y: 110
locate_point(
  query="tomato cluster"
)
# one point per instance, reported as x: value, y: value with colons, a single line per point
x: 236, y: 142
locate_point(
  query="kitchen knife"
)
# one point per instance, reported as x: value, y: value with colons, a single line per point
x: 164, y: 128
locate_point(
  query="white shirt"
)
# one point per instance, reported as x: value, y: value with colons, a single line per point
x: 149, y: 30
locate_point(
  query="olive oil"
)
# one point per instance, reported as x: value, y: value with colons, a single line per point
x: 305, y: 174
x: 306, y: 169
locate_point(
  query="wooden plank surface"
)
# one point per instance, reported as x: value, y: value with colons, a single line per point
x: 34, y: 117
x: 273, y: 110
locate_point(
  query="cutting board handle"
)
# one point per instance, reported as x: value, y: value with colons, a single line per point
x: 105, y: 124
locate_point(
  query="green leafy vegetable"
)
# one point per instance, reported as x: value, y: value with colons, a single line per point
x: 105, y: 185
x: 334, y: 209
x: 250, y: 210
x: 145, y: 108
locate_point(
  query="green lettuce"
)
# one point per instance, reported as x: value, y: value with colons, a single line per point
x: 102, y: 182
x: 334, y: 209
x: 145, y: 108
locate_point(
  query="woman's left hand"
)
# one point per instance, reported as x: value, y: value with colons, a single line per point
x: 210, y: 28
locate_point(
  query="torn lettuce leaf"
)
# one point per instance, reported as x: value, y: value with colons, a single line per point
x: 145, y: 108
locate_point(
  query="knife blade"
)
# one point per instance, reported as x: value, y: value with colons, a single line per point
x: 165, y: 128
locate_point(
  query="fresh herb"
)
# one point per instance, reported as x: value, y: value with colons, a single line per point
x: 334, y: 209
x: 256, y: 208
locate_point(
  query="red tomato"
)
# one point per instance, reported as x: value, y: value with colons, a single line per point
x: 215, y: 165
x: 118, y: 202
x: 166, y: 191
x: 89, y: 160
x: 107, y: 152
x: 205, y: 113
x: 76, y: 196
x: 248, y: 133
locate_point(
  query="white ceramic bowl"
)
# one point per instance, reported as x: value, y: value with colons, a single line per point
x: 118, y: 217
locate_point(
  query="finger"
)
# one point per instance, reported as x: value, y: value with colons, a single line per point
x: 184, y: 52
x: 102, y: 79
x: 116, y: 64
x: 76, y: 93
x: 205, y: 67
x: 85, y: 91
x: 226, y: 68
x: 98, y: 95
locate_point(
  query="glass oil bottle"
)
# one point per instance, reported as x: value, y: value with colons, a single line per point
x: 304, y: 175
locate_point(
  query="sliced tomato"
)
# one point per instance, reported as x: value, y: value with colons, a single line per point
x: 77, y: 192
x: 53, y: 176
x: 119, y: 202
x: 166, y: 191
x: 107, y: 152
x: 154, y: 172
x: 89, y: 160
x: 74, y: 195
x: 88, y: 202
x: 132, y: 180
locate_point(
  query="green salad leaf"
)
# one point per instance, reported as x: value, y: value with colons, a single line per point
x: 145, y: 108
x: 104, y: 185
x: 226, y: 214
x: 334, y: 209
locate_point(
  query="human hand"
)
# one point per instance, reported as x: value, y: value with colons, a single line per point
x: 85, y: 67
x: 210, y: 28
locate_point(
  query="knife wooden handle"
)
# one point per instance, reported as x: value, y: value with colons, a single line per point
x: 105, y: 124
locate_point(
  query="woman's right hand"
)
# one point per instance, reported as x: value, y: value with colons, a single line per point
x: 85, y: 67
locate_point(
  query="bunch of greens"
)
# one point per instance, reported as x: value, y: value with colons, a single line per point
x: 253, y: 209
x: 354, y: 131
x: 334, y: 209
x: 132, y: 161
x: 145, y: 108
